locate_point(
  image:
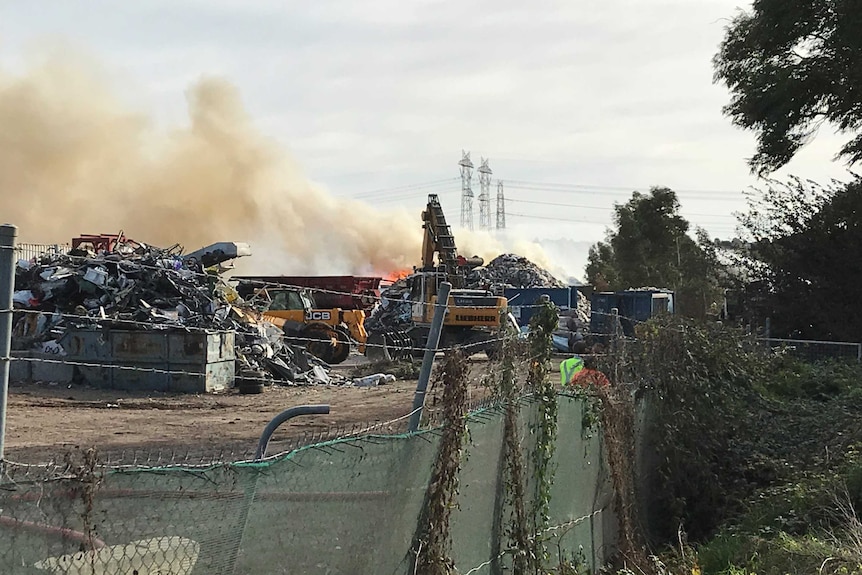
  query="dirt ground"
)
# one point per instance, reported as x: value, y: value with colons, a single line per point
x: 45, y: 421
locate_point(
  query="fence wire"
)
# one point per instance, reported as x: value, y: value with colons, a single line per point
x: 812, y: 350
x: 343, y: 506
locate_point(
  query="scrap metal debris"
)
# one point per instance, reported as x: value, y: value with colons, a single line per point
x: 394, y: 310
x: 504, y: 271
x: 124, y: 283
x: 510, y: 270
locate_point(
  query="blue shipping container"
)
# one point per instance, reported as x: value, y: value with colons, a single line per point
x: 522, y: 301
x: 633, y: 307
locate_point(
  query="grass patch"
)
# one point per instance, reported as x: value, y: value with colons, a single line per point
x: 808, y: 526
x: 794, y: 378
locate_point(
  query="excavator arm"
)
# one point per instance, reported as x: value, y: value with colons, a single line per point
x: 439, y: 239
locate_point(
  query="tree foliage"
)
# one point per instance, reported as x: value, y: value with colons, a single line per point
x: 650, y: 247
x: 700, y: 379
x: 742, y: 440
x: 802, y: 259
x: 791, y: 65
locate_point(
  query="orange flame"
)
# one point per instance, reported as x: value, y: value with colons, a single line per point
x: 397, y: 275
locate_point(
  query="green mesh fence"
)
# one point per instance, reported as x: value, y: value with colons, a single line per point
x: 347, y: 506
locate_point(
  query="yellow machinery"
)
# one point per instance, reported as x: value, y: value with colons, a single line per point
x: 326, y: 333
x: 474, y: 317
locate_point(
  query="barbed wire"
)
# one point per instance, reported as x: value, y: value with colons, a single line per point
x: 154, y: 325
x: 121, y: 367
x: 269, y: 284
x: 169, y: 323
x: 153, y: 370
x: 263, y: 315
x: 244, y: 375
x: 302, y: 341
x: 358, y: 432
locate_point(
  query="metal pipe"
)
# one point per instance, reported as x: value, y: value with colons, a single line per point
x: 430, y: 351
x: 250, y: 491
x: 63, y: 533
x: 8, y: 235
x: 281, y: 418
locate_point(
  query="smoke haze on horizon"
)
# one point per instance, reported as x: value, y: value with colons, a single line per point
x: 75, y: 158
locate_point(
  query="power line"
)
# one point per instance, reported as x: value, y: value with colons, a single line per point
x: 618, y: 196
x: 408, y: 196
x: 552, y: 218
x: 723, y: 225
x: 581, y: 206
x: 405, y: 188
x: 578, y: 187
x: 543, y: 186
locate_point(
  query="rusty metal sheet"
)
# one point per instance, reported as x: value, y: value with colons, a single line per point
x: 192, y: 347
x: 87, y: 344
x: 165, y: 360
x: 149, y: 346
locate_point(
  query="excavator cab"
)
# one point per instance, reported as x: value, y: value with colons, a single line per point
x: 423, y: 294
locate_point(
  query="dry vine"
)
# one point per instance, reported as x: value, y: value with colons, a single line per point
x: 517, y: 531
x: 433, y: 556
x: 542, y: 326
x: 618, y: 432
x: 87, y: 480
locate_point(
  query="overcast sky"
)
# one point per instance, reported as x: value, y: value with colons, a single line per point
x: 375, y: 97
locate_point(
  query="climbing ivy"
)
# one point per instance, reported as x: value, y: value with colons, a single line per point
x: 542, y: 326
x: 514, y: 485
x: 700, y: 381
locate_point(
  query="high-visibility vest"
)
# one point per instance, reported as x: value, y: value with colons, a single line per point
x: 569, y: 368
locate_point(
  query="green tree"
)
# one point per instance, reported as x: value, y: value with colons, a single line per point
x: 601, y: 269
x: 802, y: 259
x: 792, y: 65
x: 650, y: 247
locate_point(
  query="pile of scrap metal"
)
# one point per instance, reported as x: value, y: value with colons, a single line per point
x: 504, y: 271
x: 394, y: 311
x: 513, y: 271
x: 114, y: 282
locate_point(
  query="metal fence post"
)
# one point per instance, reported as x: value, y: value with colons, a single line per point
x: 8, y: 235
x: 430, y: 352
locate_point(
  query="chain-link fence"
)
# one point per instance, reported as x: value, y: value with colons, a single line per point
x: 344, y: 506
x: 812, y: 350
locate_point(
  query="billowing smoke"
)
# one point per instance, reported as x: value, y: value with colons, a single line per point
x: 488, y: 246
x: 74, y: 159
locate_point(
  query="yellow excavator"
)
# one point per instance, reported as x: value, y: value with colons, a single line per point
x: 325, y: 333
x: 474, y: 318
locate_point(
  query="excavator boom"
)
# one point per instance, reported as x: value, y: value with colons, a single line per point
x: 474, y: 318
x: 439, y: 239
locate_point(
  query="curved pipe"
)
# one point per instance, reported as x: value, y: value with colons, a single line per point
x: 62, y: 532
x: 281, y: 418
